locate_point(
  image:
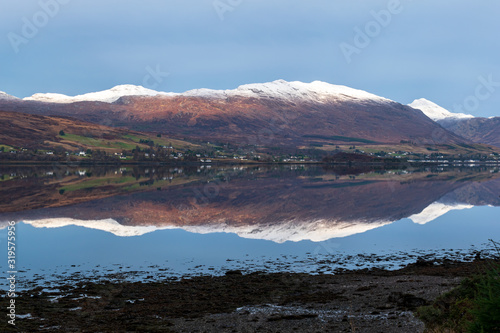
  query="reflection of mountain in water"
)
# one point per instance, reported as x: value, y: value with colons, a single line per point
x: 476, y: 193
x: 279, y: 206
x: 435, y: 210
x: 467, y: 196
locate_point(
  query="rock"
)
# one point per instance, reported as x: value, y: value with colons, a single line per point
x: 407, y: 301
x: 234, y: 272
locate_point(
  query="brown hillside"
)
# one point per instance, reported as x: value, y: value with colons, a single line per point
x: 256, y: 121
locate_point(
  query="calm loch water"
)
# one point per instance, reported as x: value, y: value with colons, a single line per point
x: 153, y: 223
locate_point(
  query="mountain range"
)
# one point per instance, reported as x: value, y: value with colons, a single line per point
x: 278, y: 113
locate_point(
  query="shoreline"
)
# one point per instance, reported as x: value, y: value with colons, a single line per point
x: 251, y: 163
x: 367, y: 300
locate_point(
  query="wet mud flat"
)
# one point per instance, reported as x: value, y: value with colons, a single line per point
x: 368, y: 300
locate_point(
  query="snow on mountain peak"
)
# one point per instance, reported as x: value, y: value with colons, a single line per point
x: 107, y: 96
x: 436, y: 112
x: 316, y: 91
x: 5, y: 96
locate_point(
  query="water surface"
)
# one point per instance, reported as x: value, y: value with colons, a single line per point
x: 153, y: 223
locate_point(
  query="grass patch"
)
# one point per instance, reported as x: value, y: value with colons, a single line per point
x: 127, y: 143
x: 123, y: 145
x: 86, y: 141
x: 177, y: 144
x: 7, y: 148
x: 132, y: 137
x: 97, y: 182
x: 473, y: 307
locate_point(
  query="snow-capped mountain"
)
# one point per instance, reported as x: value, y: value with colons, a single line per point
x: 107, y: 96
x: 316, y: 91
x: 436, y: 112
x: 5, y: 96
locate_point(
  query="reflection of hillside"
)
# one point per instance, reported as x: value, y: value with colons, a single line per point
x: 477, y: 193
x: 280, y: 204
x: 43, y: 187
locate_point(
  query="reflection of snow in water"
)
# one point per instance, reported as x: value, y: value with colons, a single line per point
x: 435, y: 210
x: 279, y: 232
x: 108, y: 225
x: 292, y: 230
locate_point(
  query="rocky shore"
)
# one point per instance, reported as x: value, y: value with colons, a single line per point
x: 351, y: 301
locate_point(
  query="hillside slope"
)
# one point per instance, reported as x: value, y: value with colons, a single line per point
x: 42, y: 132
x: 480, y: 130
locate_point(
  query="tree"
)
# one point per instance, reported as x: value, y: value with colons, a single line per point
x: 61, y: 133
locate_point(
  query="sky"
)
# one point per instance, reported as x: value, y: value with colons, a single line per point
x: 446, y: 51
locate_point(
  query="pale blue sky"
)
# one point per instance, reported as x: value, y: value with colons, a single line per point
x: 432, y: 49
